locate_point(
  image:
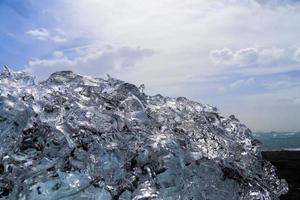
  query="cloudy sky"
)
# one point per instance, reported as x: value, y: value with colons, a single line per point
x: 242, y: 56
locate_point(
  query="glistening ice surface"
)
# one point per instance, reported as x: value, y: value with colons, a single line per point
x: 75, y: 137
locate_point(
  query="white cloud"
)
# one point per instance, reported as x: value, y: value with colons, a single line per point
x: 91, y: 61
x: 184, y: 32
x: 222, y: 56
x: 279, y: 85
x: 249, y: 57
x: 44, y: 34
x: 297, y: 55
x: 58, y: 54
x: 40, y: 34
x: 238, y: 84
x: 271, y: 54
x: 226, y: 56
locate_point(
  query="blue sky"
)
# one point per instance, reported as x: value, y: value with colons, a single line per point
x: 242, y: 56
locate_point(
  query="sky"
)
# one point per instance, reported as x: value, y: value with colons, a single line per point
x: 242, y: 56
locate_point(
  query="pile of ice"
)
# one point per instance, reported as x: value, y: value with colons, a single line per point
x: 76, y: 137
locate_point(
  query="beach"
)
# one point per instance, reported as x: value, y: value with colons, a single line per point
x: 288, y: 167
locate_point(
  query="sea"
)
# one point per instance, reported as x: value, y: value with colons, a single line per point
x: 279, y: 141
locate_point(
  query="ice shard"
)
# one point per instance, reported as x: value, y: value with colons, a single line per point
x: 76, y: 137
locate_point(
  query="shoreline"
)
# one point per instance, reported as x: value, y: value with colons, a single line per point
x: 287, y: 164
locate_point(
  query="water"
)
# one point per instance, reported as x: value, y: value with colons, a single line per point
x: 278, y: 141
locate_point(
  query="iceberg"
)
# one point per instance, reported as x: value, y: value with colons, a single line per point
x: 77, y: 137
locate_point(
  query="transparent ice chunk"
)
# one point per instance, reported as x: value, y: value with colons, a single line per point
x: 76, y: 137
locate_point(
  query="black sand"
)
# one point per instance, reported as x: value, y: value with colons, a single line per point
x: 288, y: 167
